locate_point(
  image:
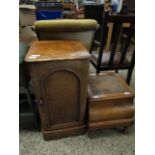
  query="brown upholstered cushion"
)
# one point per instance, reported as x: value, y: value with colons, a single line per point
x: 106, y: 57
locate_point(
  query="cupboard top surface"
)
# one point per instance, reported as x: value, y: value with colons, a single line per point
x: 56, y: 50
x: 105, y: 86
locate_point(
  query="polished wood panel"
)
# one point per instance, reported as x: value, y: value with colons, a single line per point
x: 59, y: 81
x: 110, y: 124
x: 116, y: 109
x: 54, y: 81
x: 110, y: 101
x: 56, y: 50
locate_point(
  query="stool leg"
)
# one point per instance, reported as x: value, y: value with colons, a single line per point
x: 122, y: 130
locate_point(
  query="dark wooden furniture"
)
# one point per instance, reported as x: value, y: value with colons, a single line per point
x: 59, y: 73
x: 95, y: 11
x: 117, y: 58
x: 130, y: 4
x: 28, y: 117
x: 110, y: 102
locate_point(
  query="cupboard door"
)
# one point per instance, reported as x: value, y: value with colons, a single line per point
x: 61, y: 91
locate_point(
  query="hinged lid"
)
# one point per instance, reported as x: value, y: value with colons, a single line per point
x: 56, y: 50
x: 107, y: 86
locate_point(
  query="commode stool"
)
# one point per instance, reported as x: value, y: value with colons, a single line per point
x: 110, y: 102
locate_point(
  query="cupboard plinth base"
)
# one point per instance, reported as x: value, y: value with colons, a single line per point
x: 62, y: 133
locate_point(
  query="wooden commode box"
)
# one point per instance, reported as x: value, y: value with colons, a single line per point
x: 110, y: 102
x: 59, y: 74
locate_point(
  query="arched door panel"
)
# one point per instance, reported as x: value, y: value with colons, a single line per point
x: 61, y: 97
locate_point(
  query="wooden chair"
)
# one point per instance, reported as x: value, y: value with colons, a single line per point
x: 67, y: 29
x: 115, y: 59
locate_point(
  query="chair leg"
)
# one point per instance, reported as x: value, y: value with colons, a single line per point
x: 129, y: 74
x: 97, y: 70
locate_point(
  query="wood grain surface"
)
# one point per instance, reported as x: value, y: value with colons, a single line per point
x: 56, y: 50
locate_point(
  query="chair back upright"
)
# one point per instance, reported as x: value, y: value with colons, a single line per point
x: 119, y: 22
x: 67, y: 29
